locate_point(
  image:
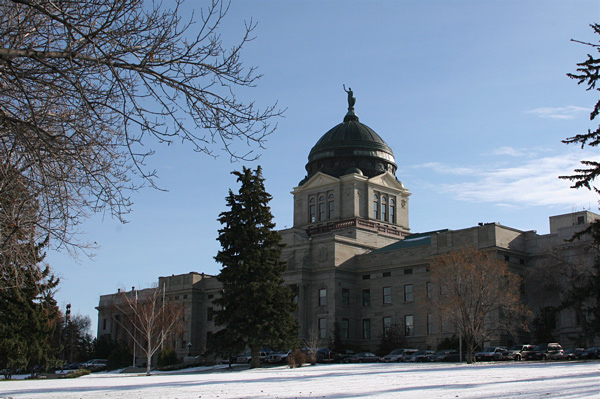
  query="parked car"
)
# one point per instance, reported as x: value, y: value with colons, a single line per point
x: 544, y: 351
x: 364, y: 357
x: 490, y: 353
x: 246, y: 357
x: 324, y: 355
x: 339, y: 357
x: 591, y: 353
x: 420, y: 356
x: 94, y: 364
x: 396, y: 355
x: 569, y: 354
x: 407, y: 354
x: 446, y: 355
x: 515, y: 352
x: 278, y: 357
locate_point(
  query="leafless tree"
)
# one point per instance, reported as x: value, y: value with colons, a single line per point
x: 478, y: 294
x: 87, y: 85
x: 312, y: 344
x: 149, y: 319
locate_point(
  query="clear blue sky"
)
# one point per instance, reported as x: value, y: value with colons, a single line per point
x: 472, y: 97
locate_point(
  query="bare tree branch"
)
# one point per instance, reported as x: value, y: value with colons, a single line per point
x: 86, y: 86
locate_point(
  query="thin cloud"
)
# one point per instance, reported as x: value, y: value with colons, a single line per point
x: 510, y: 151
x: 568, y: 112
x: 535, y: 182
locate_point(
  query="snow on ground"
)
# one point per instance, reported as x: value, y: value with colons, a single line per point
x: 378, y: 380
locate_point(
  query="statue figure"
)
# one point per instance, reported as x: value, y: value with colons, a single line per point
x: 351, y: 98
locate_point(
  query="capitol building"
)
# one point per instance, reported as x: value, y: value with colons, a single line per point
x: 354, y: 265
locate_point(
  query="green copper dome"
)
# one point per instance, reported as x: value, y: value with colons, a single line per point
x: 351, y: 145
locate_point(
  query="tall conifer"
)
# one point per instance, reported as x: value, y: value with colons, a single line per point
x: 28, y: 311
x: 255, y: 307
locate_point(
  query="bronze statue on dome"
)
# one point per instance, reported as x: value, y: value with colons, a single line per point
x: 351, y: 98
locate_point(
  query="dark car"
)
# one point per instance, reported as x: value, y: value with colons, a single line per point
x: 446, y: 355
x: 569, y: 354
x: 324, y: 355
x: 515, y: 352
x: 591, y: 353
x: 420, y: 356
x: 544, y: 351
x: 339, y: 357
x: 364, y: 357
x: 396, y: 355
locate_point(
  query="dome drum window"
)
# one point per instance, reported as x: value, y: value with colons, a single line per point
x: 384, y: 207
x: 321, y: 207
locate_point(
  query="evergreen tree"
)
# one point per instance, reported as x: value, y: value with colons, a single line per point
x: 586, y: 296
x: 255, y: 306
x: 28, y: 311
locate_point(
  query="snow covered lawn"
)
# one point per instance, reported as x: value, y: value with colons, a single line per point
x: 378, y: 380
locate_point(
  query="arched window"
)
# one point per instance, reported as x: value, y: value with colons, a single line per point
x: 383, y: 207
x: 392, y: 210
x: 375, y: 206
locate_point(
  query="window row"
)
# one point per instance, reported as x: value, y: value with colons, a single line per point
x: 407, y: 329
x: 366, y: 333
x: 387, y: 297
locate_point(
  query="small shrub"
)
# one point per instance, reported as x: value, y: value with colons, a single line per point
x: 167, y: 357
x: 76, y: 373
x: 297, y: 358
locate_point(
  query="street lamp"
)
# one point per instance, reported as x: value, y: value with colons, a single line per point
x: 189, y: 349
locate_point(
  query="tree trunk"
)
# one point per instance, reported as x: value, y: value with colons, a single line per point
x: 148, y: 357
x: 255, y: 360
x: 470, y: 350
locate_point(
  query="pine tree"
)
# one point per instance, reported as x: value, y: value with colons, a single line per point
x: 255, y: 306
x: 586, y: 297
x: 28, y: 311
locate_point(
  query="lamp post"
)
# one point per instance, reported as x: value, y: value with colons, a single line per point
x: 189, y: 349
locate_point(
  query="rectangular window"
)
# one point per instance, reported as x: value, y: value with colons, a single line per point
x: 429, y: 324
x: 366, y: 328
x: 322, y: 211
x: 408, y: 271
x: 392, y: 213
x: 104, y: 324
x: 387, y: 325
x: 375, y: 210
x: 331, y: 209
x: 345, y: 329
x: 366, y: 297
x: 345, y: 297
x: 387, y: 274
x: 313, y: 213
x: 322, y: 297
x: 366, y: 277
x: 322, y: 328
x: 383, y: 211
x: 409, y: 325
x: 209, y: 314
x: 408, y: 293
x: 428, y: 288
x: 387, y: 295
